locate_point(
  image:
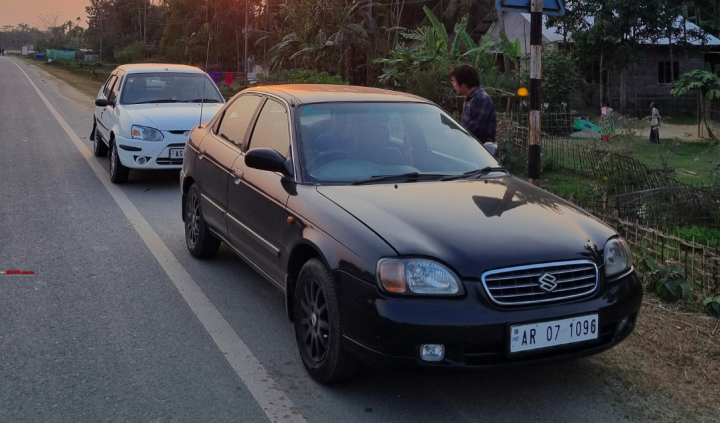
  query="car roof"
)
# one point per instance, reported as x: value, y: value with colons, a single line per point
x: 158, y: 67
x: 321, y: 93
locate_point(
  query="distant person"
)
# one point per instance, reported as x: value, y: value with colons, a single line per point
x: 479, y: 116
x: 654, y: 124
x: 608, y: 121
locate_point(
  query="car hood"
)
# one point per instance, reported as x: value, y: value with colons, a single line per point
x: 475, y: 225
x: 171, y: 116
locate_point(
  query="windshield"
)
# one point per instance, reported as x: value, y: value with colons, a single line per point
x: 168, y: 88
x: 346, y: 142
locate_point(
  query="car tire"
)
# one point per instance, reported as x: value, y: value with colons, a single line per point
x: 118, y: 173
x: 317, y: 326
x: 199, y: 240
x: 100, y: 149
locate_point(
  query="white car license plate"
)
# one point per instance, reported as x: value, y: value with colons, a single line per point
x: 549, y: 334
x: 177, y: 153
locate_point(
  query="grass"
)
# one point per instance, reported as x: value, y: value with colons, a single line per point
x: 700, y: 234
x: 696, y: 157
x: 572, y: 185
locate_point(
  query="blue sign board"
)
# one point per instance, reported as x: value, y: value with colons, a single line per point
x: 550, y: 7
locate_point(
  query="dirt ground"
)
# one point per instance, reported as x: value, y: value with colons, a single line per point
x: 682, y: 132
x: 674, y: 353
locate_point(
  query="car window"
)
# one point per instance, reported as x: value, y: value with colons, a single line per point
x: 116, y: 88
x: 271, y: 129
x: 237, y: 118
x: 343, y: 142
x: 167, y: 87
x: 109, y: 85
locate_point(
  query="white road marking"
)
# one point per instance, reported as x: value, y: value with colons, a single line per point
x: 274, y: 402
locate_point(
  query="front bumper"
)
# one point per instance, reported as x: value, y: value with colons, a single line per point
x: 389, y: 330
x: 156, y: 153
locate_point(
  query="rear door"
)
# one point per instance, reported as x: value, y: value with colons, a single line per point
x: 217, y: 152
x: 257, y: 198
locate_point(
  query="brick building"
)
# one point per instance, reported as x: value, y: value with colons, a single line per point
x: 649, y: 81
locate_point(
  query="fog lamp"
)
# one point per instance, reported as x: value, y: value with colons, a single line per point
x: 432, y: 352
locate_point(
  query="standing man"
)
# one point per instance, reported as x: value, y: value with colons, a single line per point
x: 479, y: 116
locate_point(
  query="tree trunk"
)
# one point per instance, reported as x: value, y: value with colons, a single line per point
x: 237, y: 43
x: 635, y: 90
x: 623, y: 93
x: 601, y: 78
x: 607, y: 86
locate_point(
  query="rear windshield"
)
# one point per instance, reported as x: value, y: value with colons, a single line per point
x: 166, y: 87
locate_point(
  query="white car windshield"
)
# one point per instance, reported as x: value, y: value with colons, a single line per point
x: 347, y: 142
x: 166, y: 87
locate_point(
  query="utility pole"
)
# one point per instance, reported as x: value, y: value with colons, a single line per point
x: 535, y: 141
x: 246, y: 40
x: 101, y: 35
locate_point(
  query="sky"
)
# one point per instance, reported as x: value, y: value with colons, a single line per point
x: 13, y: 12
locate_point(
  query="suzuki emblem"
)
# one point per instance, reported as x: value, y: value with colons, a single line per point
x: 547, y: 282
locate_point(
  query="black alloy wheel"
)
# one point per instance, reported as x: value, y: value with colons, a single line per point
x: 201, y: 243
x: 318, y: 331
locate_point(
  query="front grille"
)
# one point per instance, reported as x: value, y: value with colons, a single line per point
x: 521, y: 285
x: 176, y: 145
x: 180, y: 132
x: 169, y: 161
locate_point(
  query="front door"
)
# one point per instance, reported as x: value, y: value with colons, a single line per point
x: 257, y: 199
x: 100, y: 111
x: 217, y: 152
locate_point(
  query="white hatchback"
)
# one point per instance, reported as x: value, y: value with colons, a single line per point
x: 145, y: 112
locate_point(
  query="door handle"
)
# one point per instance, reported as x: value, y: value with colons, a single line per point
x: 202, y: 153
x: 238, y: 175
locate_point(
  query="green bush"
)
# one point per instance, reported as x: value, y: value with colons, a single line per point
x: 132, y: 53
x: 669, y: 281
x: 301, y: 76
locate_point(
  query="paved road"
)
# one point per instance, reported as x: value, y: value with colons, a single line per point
x: 102, y: 333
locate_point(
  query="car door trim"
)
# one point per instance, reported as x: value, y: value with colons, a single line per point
x: 218, y: 165
x: 265, y: 243
x: 213, y: 203
x: 247, y: 260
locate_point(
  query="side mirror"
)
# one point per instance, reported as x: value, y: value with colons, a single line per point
x: 491, y: 147
x: 101, y: 102
x: 270, y: 160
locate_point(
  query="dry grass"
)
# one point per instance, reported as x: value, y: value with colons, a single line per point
x: 675, y: 354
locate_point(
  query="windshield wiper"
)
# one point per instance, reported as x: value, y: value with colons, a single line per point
x: 200, y: 100
x: 167, y: 100
x: 475, y: 173
x: 412, y: 176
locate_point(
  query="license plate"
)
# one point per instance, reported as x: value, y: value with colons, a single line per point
x: 535, y: 336
x: 176, y: 153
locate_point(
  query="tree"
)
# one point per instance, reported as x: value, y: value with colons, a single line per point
x: 560, y: 77
x: 707, y: 85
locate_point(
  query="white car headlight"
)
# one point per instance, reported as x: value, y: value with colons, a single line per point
x: 618, y: 257
x: 417, y: 276
x: 146, y: 134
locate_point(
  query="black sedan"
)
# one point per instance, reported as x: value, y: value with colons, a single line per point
x: 397, y: 238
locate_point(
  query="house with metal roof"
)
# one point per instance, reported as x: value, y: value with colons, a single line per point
x: 649, y: 81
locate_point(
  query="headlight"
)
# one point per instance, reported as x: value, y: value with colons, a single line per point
x: 417, y: 276
x: 617, y: 257
x: 146, y: 134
